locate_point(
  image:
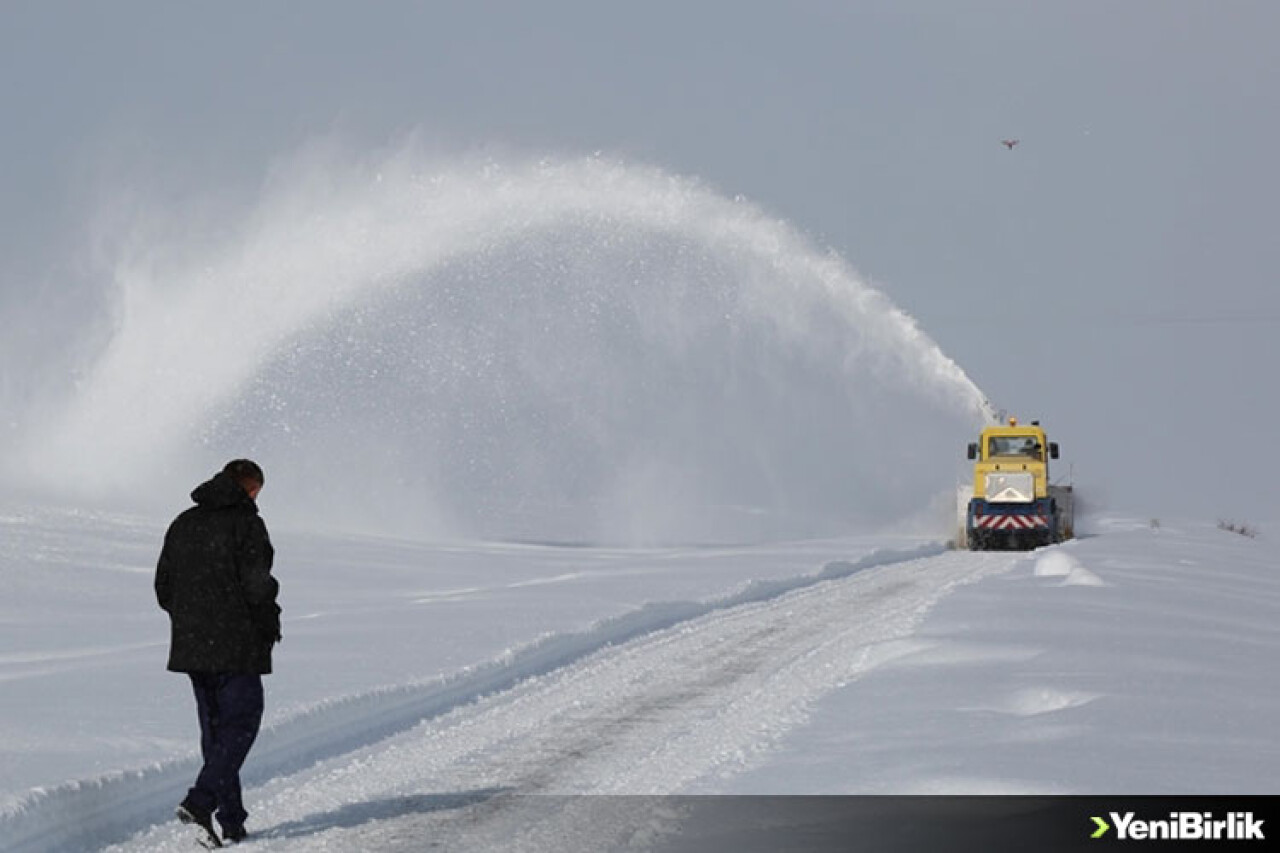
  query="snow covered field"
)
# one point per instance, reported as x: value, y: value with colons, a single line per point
x: 426, y: 688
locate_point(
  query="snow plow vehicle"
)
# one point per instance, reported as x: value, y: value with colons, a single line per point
x: 1011, y: 503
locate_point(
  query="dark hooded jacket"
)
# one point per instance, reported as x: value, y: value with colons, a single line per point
x: 214, y: 580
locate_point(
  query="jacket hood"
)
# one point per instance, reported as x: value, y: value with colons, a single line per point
x: 220, y: 492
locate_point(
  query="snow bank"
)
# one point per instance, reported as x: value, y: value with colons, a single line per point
x: 1061, y: 563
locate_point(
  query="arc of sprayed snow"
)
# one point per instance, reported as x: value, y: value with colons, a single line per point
x: 302, y: 258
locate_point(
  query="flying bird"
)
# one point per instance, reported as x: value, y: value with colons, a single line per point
x: 1009, y: 143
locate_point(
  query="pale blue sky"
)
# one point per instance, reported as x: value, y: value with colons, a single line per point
x: 1112, y: 275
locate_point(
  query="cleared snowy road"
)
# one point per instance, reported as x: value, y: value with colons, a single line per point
x: 656, y: 715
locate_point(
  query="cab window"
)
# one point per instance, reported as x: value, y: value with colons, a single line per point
x: 1014, y: 445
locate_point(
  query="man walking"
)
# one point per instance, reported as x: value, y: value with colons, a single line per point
x: 214, y: 580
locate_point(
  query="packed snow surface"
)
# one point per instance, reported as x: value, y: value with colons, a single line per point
x: 446, y: 690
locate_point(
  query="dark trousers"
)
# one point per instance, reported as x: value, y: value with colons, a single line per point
x: 230, y: 709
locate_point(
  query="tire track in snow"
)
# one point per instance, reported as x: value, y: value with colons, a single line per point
x: 698, y: 701
x: 87, y: 814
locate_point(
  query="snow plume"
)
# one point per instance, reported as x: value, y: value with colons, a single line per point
x: 576, y: 348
